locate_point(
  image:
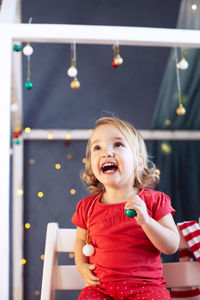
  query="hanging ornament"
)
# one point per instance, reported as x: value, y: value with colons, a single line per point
x: 182, y: 64
x: 17, y: 47
x: 117, y: 59
x: 75, y: 84
x: 180, y: 110
x: 28, y: 50
x: 72, y: 71
x: 28, y: 83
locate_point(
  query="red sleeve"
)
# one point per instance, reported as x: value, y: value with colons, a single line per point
x: 162, y: 206
x: 80, y: 215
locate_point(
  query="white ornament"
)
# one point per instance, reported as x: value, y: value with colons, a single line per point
x: 72, y: 72
x: 28, y: 50
x: 88, y: 250
x: 183, y: 64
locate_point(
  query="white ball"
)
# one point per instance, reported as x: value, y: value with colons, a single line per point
x: 28, y: 50
x: 183, y: 64
x: 88, y: 250
x: 72, y: 72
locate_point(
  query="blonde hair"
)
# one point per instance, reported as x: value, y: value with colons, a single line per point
x: 145, y: 176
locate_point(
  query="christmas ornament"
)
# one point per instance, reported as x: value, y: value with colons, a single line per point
x: 88, y: 249
x: 28, y: 85
x: 17, y: 47
x: 75, y: 84
x: 131, y: 213
x: 117, y: 59
x: 180, y: 110
x: 182, y: 64
x: 72, y: 71
x: 28, y: 50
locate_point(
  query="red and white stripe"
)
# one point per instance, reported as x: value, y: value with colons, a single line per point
x: 191, y: 233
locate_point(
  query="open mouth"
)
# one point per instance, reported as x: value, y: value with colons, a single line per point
x: 109, y: 168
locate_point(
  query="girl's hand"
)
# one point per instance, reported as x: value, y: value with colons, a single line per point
x: 88, y: 277
x: 140, y: 207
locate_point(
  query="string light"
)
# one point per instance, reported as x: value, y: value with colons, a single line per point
x: 166, y: 148
x: 69, y: 156
x: 27, y: 225
x: 50, y: 136
x: 40, y: 194
x: 194, y: 6
x: 23, y: 261
x: 84, y: 160
x: 27, y: 129
x: 20, y: 192
x: 57, y: 166
x: 31, y: 161
x: 73, y: 191
x: 42, y: 257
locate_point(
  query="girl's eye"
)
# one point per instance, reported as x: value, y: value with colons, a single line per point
x: 118, y: 144
x: 97, y: 147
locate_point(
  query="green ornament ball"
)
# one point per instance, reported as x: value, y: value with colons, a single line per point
x: 130, y: 213
x: 28, y: 85
x: 17, y: 47
x: 17, y: 142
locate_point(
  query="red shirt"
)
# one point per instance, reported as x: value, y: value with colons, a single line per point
x: 122, y: 249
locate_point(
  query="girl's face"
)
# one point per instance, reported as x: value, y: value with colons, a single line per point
x: 112, y: 160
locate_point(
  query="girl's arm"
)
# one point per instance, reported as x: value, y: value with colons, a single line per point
x: 82, y: 261
x: 162, y: 233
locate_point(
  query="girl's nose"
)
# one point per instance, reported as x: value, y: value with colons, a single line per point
x: 108, y: 153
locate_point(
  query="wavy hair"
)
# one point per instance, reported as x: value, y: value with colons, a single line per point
x: 146, y: 175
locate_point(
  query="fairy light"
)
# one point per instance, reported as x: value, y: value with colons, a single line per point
x: 23, y: 261
x: 27, y: 129
x: 50, y: 136
x: 31, y: 161
x: 20, y: 192
x: 194, y: 6
x: 69, y: 156
x: 40, y: 194
x: 42, y: 257
x: 37, y: 293
x: 73, y: 191
x: 27, y: 225
x: 166, y: 148
x: 58, y: 166
x: 68, y: 136
x: 84, y: 160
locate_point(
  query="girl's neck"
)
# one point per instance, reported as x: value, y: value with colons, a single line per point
x: 113, y: 196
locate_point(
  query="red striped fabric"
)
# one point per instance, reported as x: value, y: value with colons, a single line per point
x: 191, y: 233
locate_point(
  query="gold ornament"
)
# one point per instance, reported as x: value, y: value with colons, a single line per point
x: 118, y: 60
x: 75, y: 84
x: 180, y: 110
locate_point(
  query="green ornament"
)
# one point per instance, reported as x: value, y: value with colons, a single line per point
x: 17, y: 142
x: 131, y: 213
x: 28, y: 85
x: 17, y: 47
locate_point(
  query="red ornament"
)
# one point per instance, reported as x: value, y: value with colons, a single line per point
x: 67, y: 143
x: 16, y: 134
x: 113, y: 64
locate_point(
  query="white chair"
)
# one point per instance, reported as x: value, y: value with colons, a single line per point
x: 55, y: 277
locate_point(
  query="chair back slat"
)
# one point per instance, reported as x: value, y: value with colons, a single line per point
x: 65, y: 240
x: 68, y: 278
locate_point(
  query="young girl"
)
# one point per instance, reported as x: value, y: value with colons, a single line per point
x: 124, y: 261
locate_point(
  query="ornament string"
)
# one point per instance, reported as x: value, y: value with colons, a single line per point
x: 178, y: 78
